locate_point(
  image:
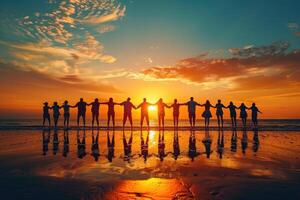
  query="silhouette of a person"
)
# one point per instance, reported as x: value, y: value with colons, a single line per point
x: 176, y: 147
x: 144, y: 146
x: 110, y: 147
x: 234, y: 140
x: 207, y: 143
x: 56, y: 113
x: 207, y: 114
x: 192, y: 111
x: 243, y: 114
x: 95, y: 146
x: 66, y: 108
x: 255, y: 141
x: 46, y: 140
x: 81, y: 107
x: 127, y: 111
x: 175, y: 107
x: 144, y: 112
x: 232, y: 111
x: 220, y: 147
x: 192, y: 146
x: 46, y: 115
x: 127, y: 147
x: 111, y: 111
x: 55, y: 142
x: 244, y: 141
x: 254, y: 111
x: 161, y: 112
x: 66, y: 143
x: 95, y: 111
x: 161, y: 146
x: 81, y: 145
x: 219, y: 112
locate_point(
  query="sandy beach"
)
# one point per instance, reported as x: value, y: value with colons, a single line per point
x: 242, y: 165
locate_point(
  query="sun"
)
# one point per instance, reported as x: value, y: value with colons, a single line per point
x: 151, y: 108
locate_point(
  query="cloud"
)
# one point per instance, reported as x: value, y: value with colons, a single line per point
x: 106, y: 28
x: 64, y: 21
x: 33, y: 82
x: 249, y: 68
x: 116, y: 14
x: 55, y: 60
x: 57, y: 44
x: 293, y: 26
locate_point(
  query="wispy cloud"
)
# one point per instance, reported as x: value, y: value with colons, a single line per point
x: 106, y: 28
x: 116, y: 14
x: 56, y: 43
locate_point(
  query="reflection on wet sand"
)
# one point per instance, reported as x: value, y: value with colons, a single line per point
x: 220, y: 147
x: 255, y: 141
x: 110, y: 146
x: 66, y: 143
x: 127, y: 144
x: 161, y: 145
x: 147, y: 137
x: 176, y: 147
x: 55, y: 142
x: 144, y: 146
x: 95, y: 146
x: 207, y: 143
x: 234, y: 140
x: 46, y: 140
x: 192, y: 146
x: 81, y: 145
x: 244, y: 141
x: 188, y: 168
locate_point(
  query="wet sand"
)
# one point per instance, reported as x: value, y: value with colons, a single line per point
x: 255, y: 165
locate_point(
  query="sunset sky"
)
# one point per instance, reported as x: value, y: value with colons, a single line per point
x: 241, y: 51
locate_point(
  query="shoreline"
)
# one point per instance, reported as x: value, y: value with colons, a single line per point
x: 156, y: 128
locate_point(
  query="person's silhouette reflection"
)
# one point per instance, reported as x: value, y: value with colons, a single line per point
x: 127, y: 146
x: 144, y: 146
x: 207, y: 143
x: 66, y: 143
x: 244, y: 141
x: 220, y: 147
x: 95, y: 145
x: 55, y: 142
x: 192, y: 146
x: 81, y: 145
x: 161, y: 145
x: 176, y: 147
x: 233, y: 140
x: 46, y: 140
x: 110, y: 146
x: 255, y: 141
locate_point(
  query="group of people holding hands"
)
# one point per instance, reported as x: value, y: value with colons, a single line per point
x: 128, y: 106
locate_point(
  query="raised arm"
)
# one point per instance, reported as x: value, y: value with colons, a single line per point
x: 213, y: 106
x: 88, y: 104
